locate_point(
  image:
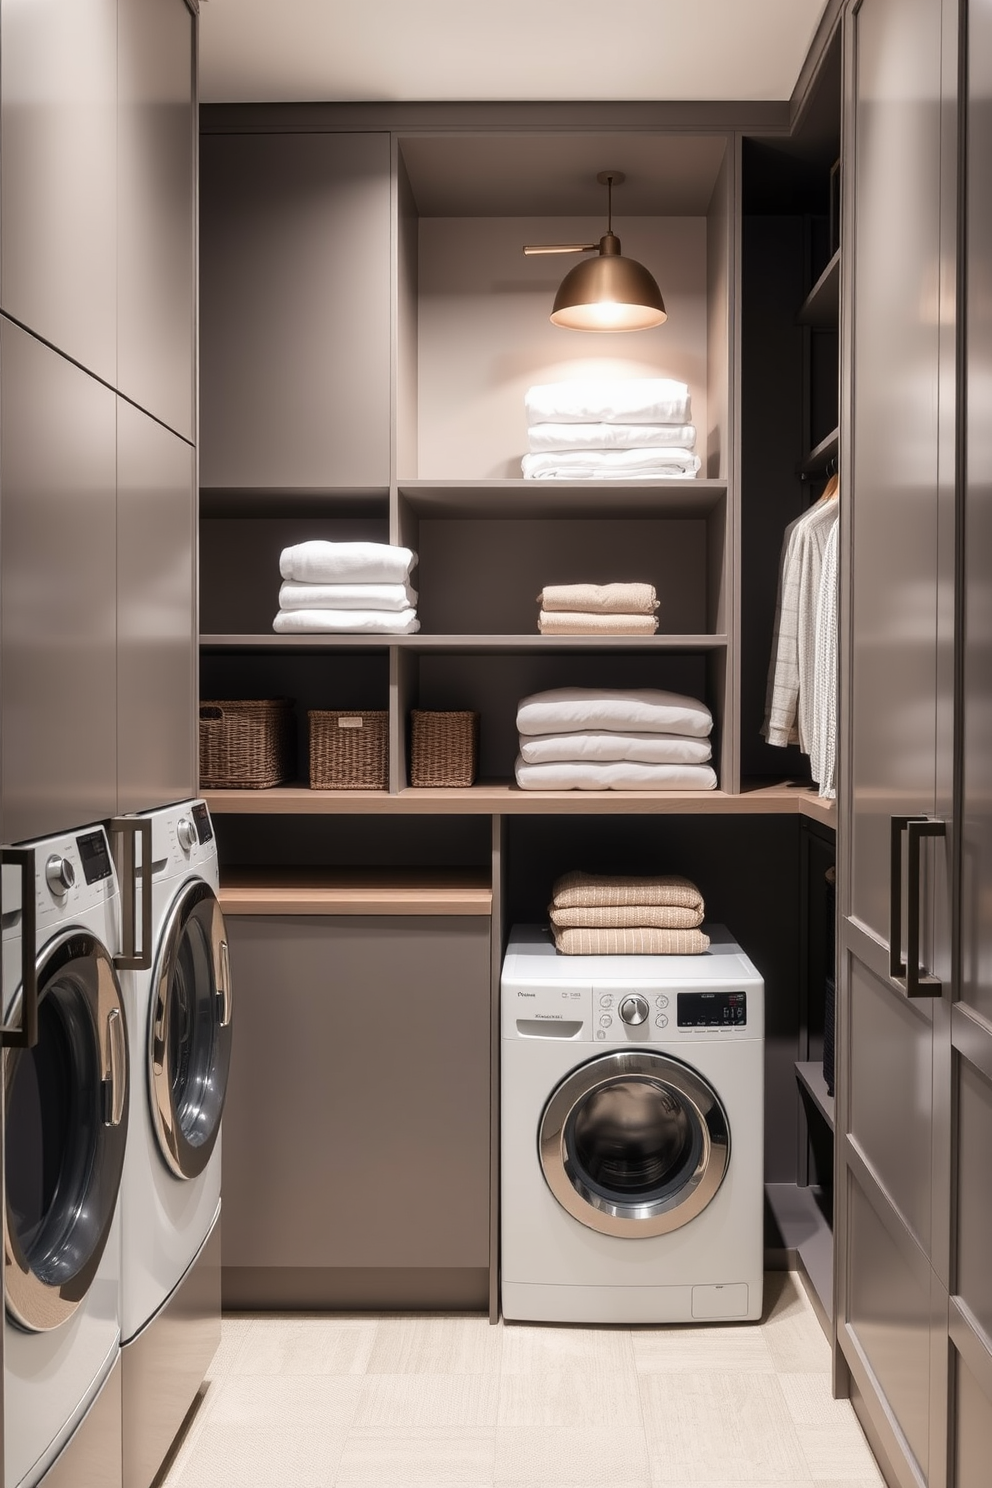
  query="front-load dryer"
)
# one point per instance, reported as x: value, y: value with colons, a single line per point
x: 65, y: 1081
x: 179, y: 1015
x: 632, y: 1134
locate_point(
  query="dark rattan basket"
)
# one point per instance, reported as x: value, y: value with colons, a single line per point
x: 348, y: 750
x: 246, y: 744
x: 444, y: 747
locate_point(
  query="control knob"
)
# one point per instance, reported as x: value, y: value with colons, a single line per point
x: 59, y: 874
x: 185, y: 833
x: 634, y: 1009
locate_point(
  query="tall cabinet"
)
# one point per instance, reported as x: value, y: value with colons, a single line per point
x: 97, y: 344
x: 914, y: 1095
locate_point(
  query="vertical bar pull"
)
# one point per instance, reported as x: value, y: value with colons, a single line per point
x: 125, y: 833
x: 909, y: 975
x: 24, y: 1036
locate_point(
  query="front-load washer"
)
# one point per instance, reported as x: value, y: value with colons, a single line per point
x: 179, y: 1016
x: 632, y: 1134
x: 65, y: 1081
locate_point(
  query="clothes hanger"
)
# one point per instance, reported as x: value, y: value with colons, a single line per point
x: 832, y: 489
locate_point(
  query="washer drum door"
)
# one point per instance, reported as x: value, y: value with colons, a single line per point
x: 66, y: 1127
x: 189, y: 1036
x: 634, y: 1144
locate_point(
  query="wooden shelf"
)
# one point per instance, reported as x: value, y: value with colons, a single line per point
x: 355, y: 891
x: 465, y: 644
x: 810, y: 1076
x: 505, y: 798
x: 271, y: 501
x: 820, y: 456
x: 552, y: 498
x: 821, y: 307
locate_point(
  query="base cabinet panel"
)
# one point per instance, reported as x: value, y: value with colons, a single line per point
x: 357, y: 1123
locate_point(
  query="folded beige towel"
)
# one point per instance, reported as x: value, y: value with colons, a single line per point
x: 634, y: 942
x: 578, y: 890
x: 627, y: 917
x: 574, y: 622
x: 602, y: 599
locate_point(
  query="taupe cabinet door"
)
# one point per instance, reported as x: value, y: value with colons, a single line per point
x: 971, y: 1056
x: 58, y: 622
x: 58, y: 163
x: 296, y: 291
x: 156, y: 613
x: 156, y: 265
x: 899, y: 524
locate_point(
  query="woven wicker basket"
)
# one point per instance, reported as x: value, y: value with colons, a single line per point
x: 246, y: 744
x: 444, y: 747
x: 348, y: 750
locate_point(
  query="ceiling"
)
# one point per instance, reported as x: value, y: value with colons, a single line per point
x: 450, y: 50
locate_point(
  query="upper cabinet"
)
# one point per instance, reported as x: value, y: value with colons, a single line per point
x: 156, y: 306
x: 296, y: 297
x: 58, y: 197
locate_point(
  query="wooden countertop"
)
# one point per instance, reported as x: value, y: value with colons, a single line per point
x: 356, y: 891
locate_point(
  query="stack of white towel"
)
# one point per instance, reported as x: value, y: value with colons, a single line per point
x: 346, y: 586
x: 597, y: 609
x: 636, y: 429
x: 586, y: 738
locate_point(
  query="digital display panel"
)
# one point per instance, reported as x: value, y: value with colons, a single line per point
x: 94, y: 856
x: 712, y: 1009
x: 201, y: 820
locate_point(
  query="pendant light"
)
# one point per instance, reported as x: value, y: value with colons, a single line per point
x: 608, y: 292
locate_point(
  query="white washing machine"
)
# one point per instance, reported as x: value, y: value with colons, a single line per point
x: 179, y: 1014
x: 632, y: 1134
x: 65, y: 1072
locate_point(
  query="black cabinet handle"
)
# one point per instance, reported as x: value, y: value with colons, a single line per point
x: 908, y: 975
x: 24, y: 1036
x: 125, y: 832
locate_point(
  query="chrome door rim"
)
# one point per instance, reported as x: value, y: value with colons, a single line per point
x: 34, y: 1304
x: 633, y: 1219
x: 184, y: 1159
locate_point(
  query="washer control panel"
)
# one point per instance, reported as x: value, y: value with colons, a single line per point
x: 620, y: 1015
x: 712, y: 1009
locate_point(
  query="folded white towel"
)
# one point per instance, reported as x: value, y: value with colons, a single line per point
x: 293, y: 596
x: 568, y: 710
x: 647, y: 749
x: 320, y: 562
x: 622, y: 775
x: 632, y: 400
x: 385, y: 622
x: 633, y: 464
x: 602, y: 436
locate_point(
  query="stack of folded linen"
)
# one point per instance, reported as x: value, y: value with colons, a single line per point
x: 587, y: 738
x: 636, y: 429
x: 598, y: 915
x: 597, y: 609
x: 346, y: 586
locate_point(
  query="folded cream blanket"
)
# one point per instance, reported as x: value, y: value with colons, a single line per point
x: 319, y: 562
x: 633, y: 400
x: 601, y: 599
x: 633, y: 942
x: 650, y: 749
x: 618, y: 775
x: 568, y: 710
x: 575, y: 622
x: 635, y: 464
x: 385, y: 622
x: 627, y: 917
x: 293, y: 596
x: 544, y: 437
x: 579, y: 890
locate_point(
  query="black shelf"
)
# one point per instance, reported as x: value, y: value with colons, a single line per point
x: 821, y: 307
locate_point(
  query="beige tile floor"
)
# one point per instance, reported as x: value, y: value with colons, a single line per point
x: 396, y: 1401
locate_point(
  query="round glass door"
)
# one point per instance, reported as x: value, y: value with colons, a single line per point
x: 190, y: 1031
x: 634, y: 1144
x: 66, y: 1125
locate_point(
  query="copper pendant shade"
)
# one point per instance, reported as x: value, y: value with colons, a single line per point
x: 608, y: 292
